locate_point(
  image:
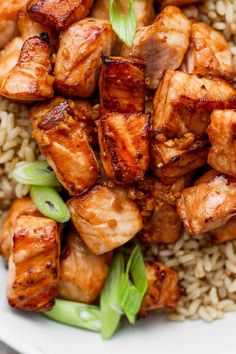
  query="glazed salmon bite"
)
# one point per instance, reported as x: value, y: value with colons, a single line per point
x: 117, y: 163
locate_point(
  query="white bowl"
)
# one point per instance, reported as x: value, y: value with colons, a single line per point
x: 34, y: 334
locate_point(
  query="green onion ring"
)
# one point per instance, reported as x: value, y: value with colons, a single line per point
x: 49, y: 203
x: 37, y: 173
x: 76, y: 314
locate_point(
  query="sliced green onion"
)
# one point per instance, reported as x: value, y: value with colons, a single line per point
x: 124, y: 26
x: 110, y: 308
x: 129, y: 298
x: 37, y: 173
x: 131, y: 294
x: 76, y: 314
x: 49, y: 203
x: 136, y: 268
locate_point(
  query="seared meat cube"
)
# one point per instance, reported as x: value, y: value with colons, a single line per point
x: 224, y: 233
x: 64, y: 144
x: 7, y: 230
x: 208, y: 53
x: 163, y: 291
x: 124, y: 145
x: 30, y: 80
x: 8, y: 30
x: 29, y: 28
x: 163, y: 226
x: 183, y: 103
x: 182, y: 107
x: 222, y: 135
x: 208, y: 205
x: 122, y: 85
x: 143, y: 8
x: 58, y: 13
x: 105, y: 218
x: 175, y: 158
x: 79, y: 56
x: 9, y: 56
x: 34, y: 264
x: 163, y: 44
x: 9, y: 9
x: 82, y: 274
x: 87, y: 113
x: 178, y: 2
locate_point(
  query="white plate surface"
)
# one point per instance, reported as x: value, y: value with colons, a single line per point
x: 34, y: 334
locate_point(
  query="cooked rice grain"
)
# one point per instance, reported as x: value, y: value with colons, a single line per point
x: 16, y: 145
x: 207, y: 275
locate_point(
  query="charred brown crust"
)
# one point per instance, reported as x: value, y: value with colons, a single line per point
x: 77, y: 64
x: 118, y: 160
x: 184, y: 162
x: 30, y: 45
x: 63, y: 141
x: 139, y: 63
x: 19, y: 206
x: 35, y: 282
x: 33, y: 66
x: 187, y: 108
x: 29, y: 28
x: 54, y: 13
x: 86, y: 195
x: 187, y: 105
x: 122, y: 85
x: 206, y: 104
x: 53, y: 117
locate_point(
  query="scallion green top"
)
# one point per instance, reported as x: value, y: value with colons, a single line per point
x: 123, y: 25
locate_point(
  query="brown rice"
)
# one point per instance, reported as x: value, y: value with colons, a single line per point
x: 207, y: 274
x: 16, y: 145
